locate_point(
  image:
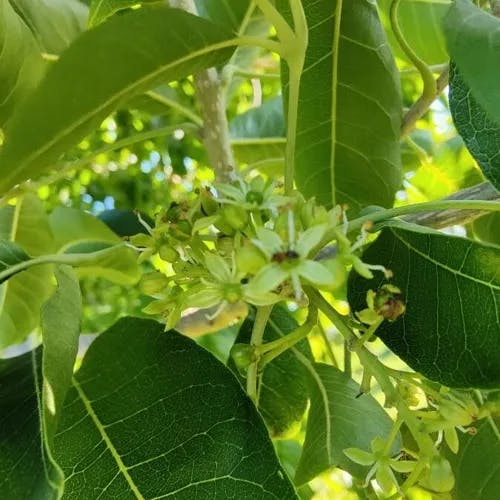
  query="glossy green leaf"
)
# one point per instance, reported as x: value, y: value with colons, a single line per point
x: 79, y: 232
x: 284, y: 392
x: 81, y: 88
x: 473, y: 37
x: 338, y: 419
x: 125, y: 222
x: 60, y: 325
x: 26, y: 225
x: 21, y: 64
x: 100, y: 10
x: 227, y: 13
x: 27, y: 466
x: 259, y: 134
x: 54, y: 23
x: 479, y: 132
x: 421, y: 25
x: 477, y: 475
x: 22, y: 473
x: 487, y: 228
x: 153, y: 415
x: 11, y: 254
x: 450, y: 331
x: 349, y: 111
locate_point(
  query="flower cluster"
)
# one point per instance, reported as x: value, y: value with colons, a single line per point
x: 246, y: 242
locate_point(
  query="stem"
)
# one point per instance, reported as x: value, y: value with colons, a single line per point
x: 212, y: 100
x: 329, y: 350
x: 491, y: 206
x: 366, y: 336
x: 259, y: 326
x: 392, y: 436
x: 375, y: 367
x: 283, y: 30
x: 273, y: 349
x: 484, y: 191
x: 422, y: 104
x: 295, y: 62
x: 347, y: 359
x: 335, y: 78
x: 295, y: 70
x: 71, y: 259
x: 430, y: 88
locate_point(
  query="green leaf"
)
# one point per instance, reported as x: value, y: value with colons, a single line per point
x: 54, y: 23
x: 100, y: 10
x: 27, y: 226
x: 479, y: 132
x: 227, y: 13
x: 22, y: 473
x: 60, y: 324
x: 284, y: 392
x: 473, y: 38
x: 81, y: 88
x: 259, y: 134
x: 450, y: 331
x: 21, y: 64
x: 11, y: 254
x: 27, y: 467
x: 79, y: 232
x: 477, y: 475
x: 421, y: 24
x: 339, y: 420
x: 264, y: 121
x: 349, y: 111
x: 125, y: 222
x: 153, y: 415
x: 487, y: 228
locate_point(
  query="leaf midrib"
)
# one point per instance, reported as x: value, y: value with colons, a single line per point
x: 100, y: 427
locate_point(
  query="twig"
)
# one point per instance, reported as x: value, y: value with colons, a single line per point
x: 421, y: 106
x: 211, y: 97
x: 445, y: 218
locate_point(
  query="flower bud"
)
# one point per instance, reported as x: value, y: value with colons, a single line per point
x: 152, y: 283
x: 243, y: 356
x: 208, y: 204
x: 168, y: 253
x: 236, y: 217
x: 388, y: 302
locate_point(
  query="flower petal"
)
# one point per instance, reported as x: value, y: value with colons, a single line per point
x: 218, y: 267
x: 310, y: 238
x: 205, y: 298
x: 265, y: 299
x: 268, y: 240
x: 316, y: 273
x: 267, y: 279
x: 230, y: 191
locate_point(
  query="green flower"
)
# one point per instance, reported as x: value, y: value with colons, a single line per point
x: 257, y: 194
x: 224, y: 286
x: 382, y: 466
x: 290, y: 261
